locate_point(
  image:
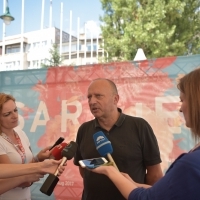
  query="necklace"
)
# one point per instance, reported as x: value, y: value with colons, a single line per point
x: 19, y: 147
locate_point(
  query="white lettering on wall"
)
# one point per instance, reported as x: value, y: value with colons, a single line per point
x: 42, y: 109
x: 159, y: 110
x: 72, y: 116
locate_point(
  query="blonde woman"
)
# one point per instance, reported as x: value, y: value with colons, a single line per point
x: 15, y: 146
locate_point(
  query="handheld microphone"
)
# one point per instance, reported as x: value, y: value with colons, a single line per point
x: 56, y: 152
x: 103, y: 146
x: 68, y: 153
x: 60, y: 140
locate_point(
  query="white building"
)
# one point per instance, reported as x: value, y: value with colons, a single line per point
x: 36, y: 45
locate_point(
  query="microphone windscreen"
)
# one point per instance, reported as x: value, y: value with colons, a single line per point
x: 56, y: 153
x: 52, y: 180
x: 103, y: 145
x: 70, y: 150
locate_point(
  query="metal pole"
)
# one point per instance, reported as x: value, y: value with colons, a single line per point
x: 22, y: 38
x: 41, y: 28
x: 103, y: 50
x: 78, y: 38
x: 50, y: 14
x: 97, y: 50
x: 61, y: 26
x: 85, y: 46
x: 42, y: 16
x: 70, y: 36
x: 3, y: 37
x: 91, y: 52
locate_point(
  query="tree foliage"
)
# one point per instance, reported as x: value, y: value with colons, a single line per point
x: 55, y: 58
x: 160, y: 27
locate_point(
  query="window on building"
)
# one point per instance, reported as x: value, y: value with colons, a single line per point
x: 89, y: 47
x: 12, y: 49
x: 74, y: 56
x: 35, y: 63
x: 28, y: 47
x: 24, y: 47
x: 9, y: 65
x: 65, y: 49
x: 74, y: 47
x: 36, y: 45
x: 29, y: 64
x: 44, y: 43
x: 94, y: 47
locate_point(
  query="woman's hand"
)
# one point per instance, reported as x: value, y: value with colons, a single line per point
x: 29, y: 179
x: 102, y: 169
x: 44, y: 154
x: 50, y: 166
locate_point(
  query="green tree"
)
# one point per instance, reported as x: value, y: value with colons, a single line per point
x: 161, y: 27
x: 55, y: 58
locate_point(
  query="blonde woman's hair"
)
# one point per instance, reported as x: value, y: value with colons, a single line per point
x: 3, y: 99
x: 189, y: 85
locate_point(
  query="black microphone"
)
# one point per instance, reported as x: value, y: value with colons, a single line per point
x: 68, y: 153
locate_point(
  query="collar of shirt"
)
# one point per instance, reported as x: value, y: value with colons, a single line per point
x: 117, y: 123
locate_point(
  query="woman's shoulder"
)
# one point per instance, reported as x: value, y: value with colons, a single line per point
x: 191, y: 159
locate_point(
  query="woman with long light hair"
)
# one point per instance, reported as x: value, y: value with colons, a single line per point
x: 15, y: 146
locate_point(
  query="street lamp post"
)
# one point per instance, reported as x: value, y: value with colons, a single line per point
x: 7, y: 18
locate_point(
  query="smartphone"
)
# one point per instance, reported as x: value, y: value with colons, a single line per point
x: 59, y: 141
x: 92, y: 163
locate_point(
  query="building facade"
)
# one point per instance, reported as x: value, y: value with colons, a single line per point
x: 36, y: 45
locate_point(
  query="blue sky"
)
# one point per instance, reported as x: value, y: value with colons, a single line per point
x: 86, y: 10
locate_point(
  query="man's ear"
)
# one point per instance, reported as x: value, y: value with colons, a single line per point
x: 116, y: 99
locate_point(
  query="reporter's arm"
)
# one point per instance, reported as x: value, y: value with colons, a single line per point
x: 6, y: 170
x: 124, y: 185
x: 10, y: 183
x: 137, y: 184
x: 45, y: 167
